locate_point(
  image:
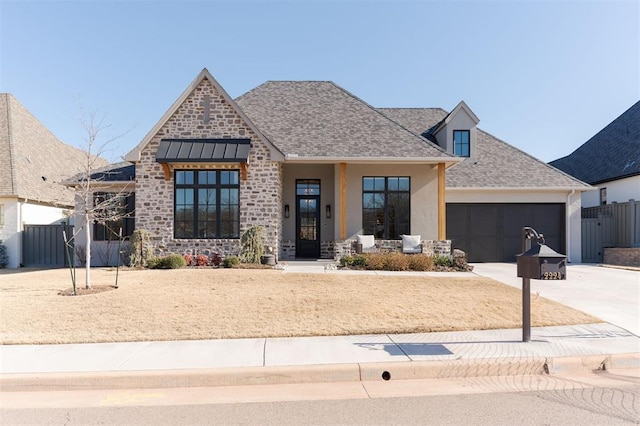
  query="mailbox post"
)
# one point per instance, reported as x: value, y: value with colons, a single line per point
x: 538, y: 262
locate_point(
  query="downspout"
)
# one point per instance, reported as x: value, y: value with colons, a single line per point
x: 568, y: 220
x: 21, y: 231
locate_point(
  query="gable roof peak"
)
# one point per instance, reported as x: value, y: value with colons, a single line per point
x: 134, y: 154
x: 462, y: 106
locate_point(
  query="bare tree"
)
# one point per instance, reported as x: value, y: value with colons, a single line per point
x: 97, y: 201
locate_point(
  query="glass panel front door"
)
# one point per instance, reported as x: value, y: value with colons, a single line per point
x: 308, y: 219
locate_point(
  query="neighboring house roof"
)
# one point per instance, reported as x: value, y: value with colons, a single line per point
x: 112, y: 173
x: 612, y: 153
x: 134, y: 155
x: 498, y: 164
x: 33, y: 162
x: 318, y: 120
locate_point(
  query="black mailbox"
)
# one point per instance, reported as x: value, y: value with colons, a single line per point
x: 542, y: 263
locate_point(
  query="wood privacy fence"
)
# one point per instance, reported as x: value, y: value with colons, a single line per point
x: 611, y: 225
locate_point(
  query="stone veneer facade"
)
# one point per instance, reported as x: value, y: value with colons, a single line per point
x: 429, y: 247
x: 260, y: 193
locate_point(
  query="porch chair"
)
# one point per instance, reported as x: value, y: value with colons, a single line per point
x: 366, y: 244
x: 411, y: 244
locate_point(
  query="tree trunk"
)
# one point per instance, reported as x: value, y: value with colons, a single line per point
x: 87, y: 233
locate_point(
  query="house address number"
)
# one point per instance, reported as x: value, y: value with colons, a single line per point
x: 552, y: 276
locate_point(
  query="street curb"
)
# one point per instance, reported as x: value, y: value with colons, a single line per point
x: 564, y: 365
x: 242, y: 376
x: 354, y: 372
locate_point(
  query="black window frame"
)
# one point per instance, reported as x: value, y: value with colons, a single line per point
x: 221, y: 223
x: 391, y: 227
x: 466, y: 143
x: 109, y: 230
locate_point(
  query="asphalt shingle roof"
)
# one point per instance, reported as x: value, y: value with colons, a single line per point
x: 612, y: 153
x: 33, y: 162
x: 320, y: 119
x: 123, y: 171
x: 498, y: 165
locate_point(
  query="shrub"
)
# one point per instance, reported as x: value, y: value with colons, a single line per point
x: 171, y: 261
x: 231, y: 261
x: 396, y: 262
x: 202, y: 260
x: 346, y: 260
x: 442, y: 260
x: 375, y: 261
x: 4, y: 259
x: 216, y: 259
x: 419, y: 262
x: 188, y: 259
x: 153, y: 262
x: 355, y: 261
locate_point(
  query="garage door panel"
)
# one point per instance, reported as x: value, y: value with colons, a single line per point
x: 483, y: 249
x: 493, y: 232
x: 484, y: 220
x: 510, y: 247
x: 515, y: 217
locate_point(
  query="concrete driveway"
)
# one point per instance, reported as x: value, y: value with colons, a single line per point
x: 610, y: 294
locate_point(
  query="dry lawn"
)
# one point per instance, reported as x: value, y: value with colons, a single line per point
x: 223, y: 303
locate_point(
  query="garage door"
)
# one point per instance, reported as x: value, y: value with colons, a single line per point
x: 492, y: 232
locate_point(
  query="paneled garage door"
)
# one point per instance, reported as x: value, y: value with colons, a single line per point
x: 492, y: 232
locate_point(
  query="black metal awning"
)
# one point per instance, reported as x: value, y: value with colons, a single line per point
x: 203, y: 151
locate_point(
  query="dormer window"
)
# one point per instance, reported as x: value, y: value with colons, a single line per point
x: 461, y: 143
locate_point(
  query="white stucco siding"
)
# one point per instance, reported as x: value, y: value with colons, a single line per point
x: 572, y: 201
x: 618, y: 191
x: 424, y: 196
x: 10, y: 230
x: 33, y: 214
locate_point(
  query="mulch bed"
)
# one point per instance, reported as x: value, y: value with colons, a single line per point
x: 82, y: 291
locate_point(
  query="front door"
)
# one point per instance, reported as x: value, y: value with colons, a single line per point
x: 308, y: 218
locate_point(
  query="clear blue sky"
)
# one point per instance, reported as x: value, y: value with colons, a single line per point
x: 543, y: 76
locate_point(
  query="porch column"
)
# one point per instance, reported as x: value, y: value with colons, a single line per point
x: 442, y: 206
x: 343, y: 201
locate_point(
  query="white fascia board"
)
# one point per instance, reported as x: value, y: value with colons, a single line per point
x: 520, y: 188
x: 373, y: 160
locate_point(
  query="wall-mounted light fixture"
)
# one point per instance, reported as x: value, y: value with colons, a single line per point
x: 327, y: 211
x: 286, y: 211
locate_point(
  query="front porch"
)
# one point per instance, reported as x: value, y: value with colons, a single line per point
x: 325, y: 207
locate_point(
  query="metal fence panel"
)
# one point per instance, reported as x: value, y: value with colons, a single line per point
x: 43, y: 245
x: 624, y: 230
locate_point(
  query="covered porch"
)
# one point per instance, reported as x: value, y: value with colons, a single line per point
x: 327, y: 204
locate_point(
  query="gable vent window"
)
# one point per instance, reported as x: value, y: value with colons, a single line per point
x: 461, y: 143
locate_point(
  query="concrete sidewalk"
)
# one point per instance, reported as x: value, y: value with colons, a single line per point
x: 344, y: 358
x: 315, y: 359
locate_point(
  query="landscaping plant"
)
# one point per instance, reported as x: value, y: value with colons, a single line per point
x: 231, y: 261
x: 4, y: 259
x: 252, y: 245
x: 170, y: 261
x: 141, y: 248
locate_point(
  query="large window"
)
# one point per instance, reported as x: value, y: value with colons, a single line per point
x: 113, y: 211
x: 207, y: 204
x: 461, y: 143
x: 386, y: 207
